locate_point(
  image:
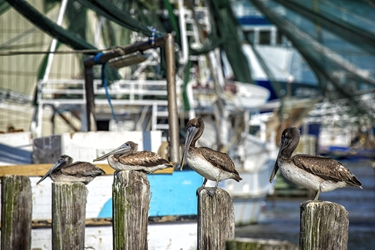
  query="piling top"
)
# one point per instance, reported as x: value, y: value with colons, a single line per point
x: 219, y: 192
x: 323, y: 225
x: 311, y: 205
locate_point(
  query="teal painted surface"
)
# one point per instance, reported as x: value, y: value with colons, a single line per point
x: 171, y: 194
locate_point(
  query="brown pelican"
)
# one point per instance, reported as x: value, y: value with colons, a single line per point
x: 126, y: 157
x: 318, y: 173
x: 65, y: 170
x: 211, y: 164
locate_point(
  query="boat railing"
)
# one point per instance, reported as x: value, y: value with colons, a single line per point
x: 140, y: 93
x: 122, y: 92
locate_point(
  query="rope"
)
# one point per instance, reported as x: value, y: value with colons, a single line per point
x: 104, y: 81
x: 152, y: 38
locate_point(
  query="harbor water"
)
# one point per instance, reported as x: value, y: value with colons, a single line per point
x: 280, y: 215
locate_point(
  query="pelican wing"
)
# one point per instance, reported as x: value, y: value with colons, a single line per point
x: 218, y: 159
x: 326, y: 168
x: 80, y: 168
x: 145, y: 159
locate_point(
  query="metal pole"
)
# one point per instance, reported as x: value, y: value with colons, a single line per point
x: 89, y: 92
x: 172, y: 102
x: 37, y: 122
x: 52, y: 49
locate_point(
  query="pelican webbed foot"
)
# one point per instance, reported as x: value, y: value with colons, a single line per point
x: 211, y: 191
x: 200, y: 189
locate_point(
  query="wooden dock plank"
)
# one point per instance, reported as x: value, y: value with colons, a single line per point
x: 41, y: 169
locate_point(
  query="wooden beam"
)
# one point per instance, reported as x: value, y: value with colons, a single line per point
x: 92, y: 222
x: 172, y: 99
x: 41, y: 169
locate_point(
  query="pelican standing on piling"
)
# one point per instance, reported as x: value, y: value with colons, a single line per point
x: 318, y: 173
x: 211, y: 164
x: 64, y: 170
x: 127, y: 157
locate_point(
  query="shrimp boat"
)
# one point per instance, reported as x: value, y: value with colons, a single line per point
x: 230, y: 110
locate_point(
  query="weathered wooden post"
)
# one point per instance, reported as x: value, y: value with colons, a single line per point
x: 68, y: 215
x: 215, y: 219
x: 131, y: 202
x: 16, y: 211
x: 323, y: 225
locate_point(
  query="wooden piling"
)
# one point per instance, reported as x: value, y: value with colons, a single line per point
x: 16, y: 212
x: 215, y: 219
x: 323, y: 225
x: 68, y: 215
x: 131, y: 202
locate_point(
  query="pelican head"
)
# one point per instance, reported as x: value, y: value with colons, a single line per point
x: 126, y: 148
x: 194, y: 130
x: 63, y: 160
x: 289, y: 141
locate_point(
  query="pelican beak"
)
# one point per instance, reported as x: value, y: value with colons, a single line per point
x: 55, y: 166
x: 274, y: 171
x: 120, y: 150
x: 190, y: 134
x: 276, y: 167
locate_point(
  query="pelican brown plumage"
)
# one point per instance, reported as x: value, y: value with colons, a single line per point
x: 211, y: 164
x: 64, y: 170
x: 318, y: 173
x: 127, y: 157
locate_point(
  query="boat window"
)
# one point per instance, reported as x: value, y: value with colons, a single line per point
x: 251, y: 35
x: 254, y: 130
x: 265, y: 37
x: 102, y: 125
x: 279, y: 37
